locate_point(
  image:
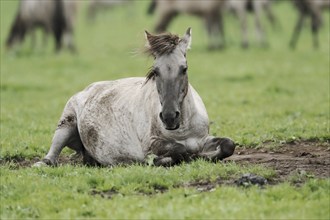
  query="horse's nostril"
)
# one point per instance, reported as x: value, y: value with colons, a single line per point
x: 177, y: 114
x: 161, y: 116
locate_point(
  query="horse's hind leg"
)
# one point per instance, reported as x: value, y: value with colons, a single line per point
x: 240, y: 12
x: 260, y: 31
x: 316, y: 23
x: 66, y: 134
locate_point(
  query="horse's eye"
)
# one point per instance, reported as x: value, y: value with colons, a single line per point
x: 184, y: 71
x: 156, y: 73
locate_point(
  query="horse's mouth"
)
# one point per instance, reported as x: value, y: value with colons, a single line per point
x: 172, y: 128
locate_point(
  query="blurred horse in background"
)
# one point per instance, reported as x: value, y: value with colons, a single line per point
x: 52, y: 16
x: 257, y: 7
x: 210, y: 10
x: 95, y: 6
x: 312, y: 9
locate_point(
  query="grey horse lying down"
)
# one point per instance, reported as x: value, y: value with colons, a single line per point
x: 124, y: 121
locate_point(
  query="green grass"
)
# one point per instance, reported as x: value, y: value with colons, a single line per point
x: 65, y: 192
x: 252, y: 96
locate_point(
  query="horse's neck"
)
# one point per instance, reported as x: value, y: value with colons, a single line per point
x: 189, y: 106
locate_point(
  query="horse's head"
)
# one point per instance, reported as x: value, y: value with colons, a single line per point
x: 170, y: 74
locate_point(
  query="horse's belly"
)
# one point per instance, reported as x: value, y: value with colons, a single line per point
x: 110, y: 137
x: 108, y: 124
x: 111, y: 147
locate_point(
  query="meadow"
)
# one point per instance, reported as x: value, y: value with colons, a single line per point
x: 256, y: 96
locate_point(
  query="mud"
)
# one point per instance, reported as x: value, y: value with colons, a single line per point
x: 312, y: 158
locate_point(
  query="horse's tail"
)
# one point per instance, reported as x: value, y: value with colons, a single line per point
x: 17, y: 31
x: 60, y: 23
x: 152, y: 7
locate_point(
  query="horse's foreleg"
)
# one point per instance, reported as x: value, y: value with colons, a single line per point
x: 164, y: 21
x: 68, y: 41
x: 169, y: 152
x: 242, y: 17
x: 214, y: 29
x: 33, y: 39
x: 215, y: 148
x: 297, y: 30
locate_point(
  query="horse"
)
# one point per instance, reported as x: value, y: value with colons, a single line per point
x: 241, y: 9
x: 210, y: 10
x: 52, y: 16
x: 123, y: 121
x: 312, y: 9
x: 96, y: 6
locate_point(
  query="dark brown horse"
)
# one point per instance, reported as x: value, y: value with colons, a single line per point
x: 312, y: 9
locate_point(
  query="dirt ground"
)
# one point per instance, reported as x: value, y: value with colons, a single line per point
x: 294, y: 162
x: 303, y: 159
x: 310, y: 157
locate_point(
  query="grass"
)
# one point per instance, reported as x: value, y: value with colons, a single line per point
x: 68, y: 192
x: 252, y: 96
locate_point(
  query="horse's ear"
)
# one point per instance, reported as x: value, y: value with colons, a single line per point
x: 185, y: 41
x: 147, y: 36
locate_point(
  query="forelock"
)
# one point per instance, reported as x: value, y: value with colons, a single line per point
x: 162, y: 44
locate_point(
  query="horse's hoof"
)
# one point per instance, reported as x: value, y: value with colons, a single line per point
x: 43, y: 163
x: 227, y: 148
x: 163, y: 161
x: 40, y: 164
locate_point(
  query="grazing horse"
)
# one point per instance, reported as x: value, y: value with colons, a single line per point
x: 257, y: 7
x: 53, y: 16
x: 123, y: 121
x: 210, y: 10
x: 312, y: 9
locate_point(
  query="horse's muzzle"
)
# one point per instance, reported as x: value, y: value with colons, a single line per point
x: 171, y: 120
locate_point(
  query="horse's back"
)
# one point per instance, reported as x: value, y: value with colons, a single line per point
x: 195, y: 7
x: 37, y: 10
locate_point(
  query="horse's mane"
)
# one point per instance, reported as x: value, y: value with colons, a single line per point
x: 160, y: 45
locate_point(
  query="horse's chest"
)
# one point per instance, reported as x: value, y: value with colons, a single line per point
x: 193, y: 144
x: 191, y: 137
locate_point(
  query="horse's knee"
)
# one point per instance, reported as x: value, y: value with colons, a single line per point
x: 180, y: 153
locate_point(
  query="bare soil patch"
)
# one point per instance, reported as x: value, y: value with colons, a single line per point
x: 294, y: 162
x: 312, y: 158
